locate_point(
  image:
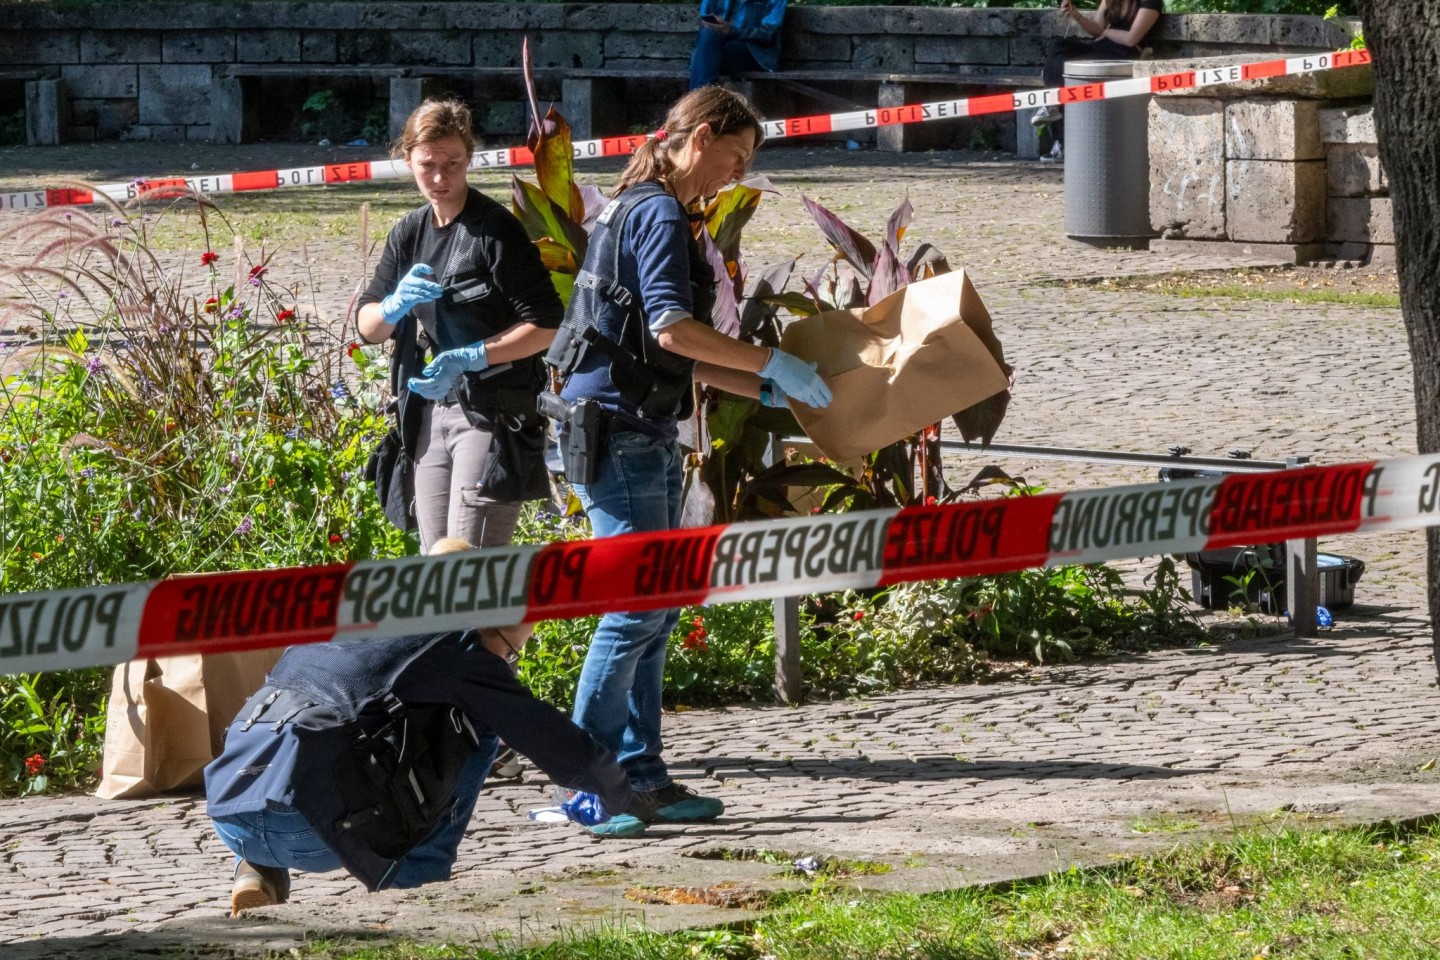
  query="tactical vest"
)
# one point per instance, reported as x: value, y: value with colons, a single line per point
x: 658, y: 382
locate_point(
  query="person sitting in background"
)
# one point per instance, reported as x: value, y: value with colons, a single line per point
x: 1116, y: 31
x: 736, y: 36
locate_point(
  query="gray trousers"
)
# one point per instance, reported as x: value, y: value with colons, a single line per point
x: 449, y: 463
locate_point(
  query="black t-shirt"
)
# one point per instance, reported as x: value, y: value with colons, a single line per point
x: 1116, y: 23
x: 491, y: 271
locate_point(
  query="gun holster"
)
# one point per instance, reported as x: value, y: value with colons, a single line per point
x: 583, y: 438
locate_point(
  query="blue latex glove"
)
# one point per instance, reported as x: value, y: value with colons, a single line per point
x: 771, y: 395
x: 413, y: 289
x: 796, y: 379
x: 441, y: 373
x: 585, y: 809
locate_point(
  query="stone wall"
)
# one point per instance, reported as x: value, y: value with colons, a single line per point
x: 1289, y: 166
x: 126, y: 76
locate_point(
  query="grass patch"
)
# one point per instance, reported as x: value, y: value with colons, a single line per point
x: 1278, y: 284
x: 1289, y: 296
x: 1292, y: 893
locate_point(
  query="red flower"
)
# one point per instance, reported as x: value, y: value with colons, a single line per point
x: 697, y: 622
x: 352, y: 349
x: 169, y: 425
x: 33, y: 765
x: 695, y: 640
x: 858, y: 615
x: 212, y: 304
x: 208, y: 257
x: 336, y: 539
x: 284, y: 315
x: 930, y: 501
x: 258, y: 270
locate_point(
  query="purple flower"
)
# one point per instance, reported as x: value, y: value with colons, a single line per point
x: 293, y: 433
x: 338, y: 391
x: 245, y: 527
x: 225, y: 488
x: 235, y: 314
x: 64, y: 294
x: 234, y: 459
x: 93, y: 366
x: 163, y: 329
x: 253, y: 281
x: 116, y: 222
x: 69, y: 216
x: 88, y: 473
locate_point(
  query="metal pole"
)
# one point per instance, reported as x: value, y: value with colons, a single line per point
x: 787, y: 649
x: 1302, y: 582
x: 787, y: 619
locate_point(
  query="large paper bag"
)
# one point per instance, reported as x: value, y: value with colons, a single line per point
x: 924, y: 353
x: 167, y: 717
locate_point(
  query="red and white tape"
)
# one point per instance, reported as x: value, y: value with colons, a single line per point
x: 212, y: 613
x: 168, y: 187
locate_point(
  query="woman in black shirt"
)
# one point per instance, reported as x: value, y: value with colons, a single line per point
x: 1116, y: 31
x: 463, y: 267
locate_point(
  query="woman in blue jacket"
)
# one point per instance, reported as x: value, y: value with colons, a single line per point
x: 736, y: 36
x: 636, y: 335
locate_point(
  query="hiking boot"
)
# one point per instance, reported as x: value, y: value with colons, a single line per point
x: 507, y: 765
x: 1046, y: 114
x: 621, y: 825
x: 676, y: 804
x: 258, y: 886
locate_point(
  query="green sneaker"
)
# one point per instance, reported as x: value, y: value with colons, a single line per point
x: 621, y: 825
x: 678, y: 804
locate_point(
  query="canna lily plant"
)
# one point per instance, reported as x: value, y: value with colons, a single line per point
x: 861, y: 273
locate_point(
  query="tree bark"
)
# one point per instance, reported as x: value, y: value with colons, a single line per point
x: 1404, y: 38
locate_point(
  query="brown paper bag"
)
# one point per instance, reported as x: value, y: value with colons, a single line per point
x: 167, y: 716
x: 920, y: 355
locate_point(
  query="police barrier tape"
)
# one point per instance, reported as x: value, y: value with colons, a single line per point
x: 211, y: 613
x: 164, y: 188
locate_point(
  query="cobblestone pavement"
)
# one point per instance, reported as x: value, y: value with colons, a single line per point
x: 950, y: 785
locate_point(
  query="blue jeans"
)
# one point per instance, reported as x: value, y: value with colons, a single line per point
x: 715, y: 54
x: 637, y: 488
x: 284, y: 838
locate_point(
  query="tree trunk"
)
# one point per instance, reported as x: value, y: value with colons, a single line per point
x: 1404, y: 37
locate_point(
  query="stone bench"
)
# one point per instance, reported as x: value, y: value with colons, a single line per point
x: 589, y: 97
x: 44, y: 102
x: 409, y: 86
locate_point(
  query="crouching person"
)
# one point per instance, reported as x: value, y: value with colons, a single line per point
x: 368, y: 756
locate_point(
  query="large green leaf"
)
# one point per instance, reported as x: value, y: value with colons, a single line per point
x: 797, y: 303
x: 557, y: 257
x: 727, y: 215
x: 554, y: 167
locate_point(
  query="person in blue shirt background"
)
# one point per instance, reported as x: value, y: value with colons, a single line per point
x: 736, y: 36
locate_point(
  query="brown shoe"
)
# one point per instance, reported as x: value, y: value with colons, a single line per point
x: 258, y: 886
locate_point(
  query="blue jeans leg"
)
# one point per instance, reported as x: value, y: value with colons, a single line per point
x: 276, y: 838
x: 433, y: 859
x: 715, y: 55
x: 637, y: 489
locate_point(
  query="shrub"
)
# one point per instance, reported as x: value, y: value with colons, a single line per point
x: 162, y: 422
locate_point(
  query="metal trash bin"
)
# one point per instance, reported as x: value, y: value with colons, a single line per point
x: 1107, y: 161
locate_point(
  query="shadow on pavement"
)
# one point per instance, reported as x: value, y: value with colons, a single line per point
x: 939, y: 767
